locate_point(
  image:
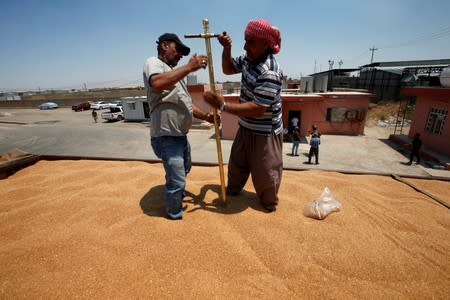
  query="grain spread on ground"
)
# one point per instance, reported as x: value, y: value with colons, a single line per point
x: 97, y: 229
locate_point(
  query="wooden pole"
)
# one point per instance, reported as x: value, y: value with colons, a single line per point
x: 207, y: 36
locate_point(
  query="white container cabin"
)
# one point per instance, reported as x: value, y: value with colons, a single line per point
x: 135, y: 108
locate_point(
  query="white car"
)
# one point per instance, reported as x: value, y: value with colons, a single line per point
x: 100, y: 105
x: 115, y: 114
x: 48, y: 105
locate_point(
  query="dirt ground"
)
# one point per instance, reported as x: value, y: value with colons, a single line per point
x: 383, y: 110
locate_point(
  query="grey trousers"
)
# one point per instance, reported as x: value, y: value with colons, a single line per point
x: 262, y: 157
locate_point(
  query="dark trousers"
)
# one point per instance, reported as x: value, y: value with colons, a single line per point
x: 415, y: 153
x: 260, y: 156
x: 315, y: 152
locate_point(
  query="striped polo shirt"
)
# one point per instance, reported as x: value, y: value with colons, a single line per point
x: 261, y: 84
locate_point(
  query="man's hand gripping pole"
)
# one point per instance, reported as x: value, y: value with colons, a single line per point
x: 207, y: 36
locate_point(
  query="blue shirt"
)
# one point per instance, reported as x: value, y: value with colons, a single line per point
x: 315, y: 142
x: 261, y: 84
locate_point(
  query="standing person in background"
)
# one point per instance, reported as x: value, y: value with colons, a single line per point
x: 294, y: 123
x: 315, y: 130
x: 172, y: 111
x: 416, y: 144
x: 314, y: 149
x: 257, y: 147
x: 295, y: 141
x: 94, y: 115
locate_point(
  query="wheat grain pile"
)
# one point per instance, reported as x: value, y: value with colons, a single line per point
x: 97, y: 229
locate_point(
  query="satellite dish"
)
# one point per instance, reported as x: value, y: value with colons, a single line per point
x: 445, y: 77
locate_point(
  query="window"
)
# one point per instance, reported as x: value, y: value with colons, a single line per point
x: 336, y: 114
x: 131, y: 105
x: 436, y: 120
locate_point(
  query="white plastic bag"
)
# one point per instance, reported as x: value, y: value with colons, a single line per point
x: 320, y: 208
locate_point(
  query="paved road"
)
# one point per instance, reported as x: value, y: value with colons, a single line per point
x: 63, y: 132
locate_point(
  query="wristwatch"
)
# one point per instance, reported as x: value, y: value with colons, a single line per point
x: 222, y: 107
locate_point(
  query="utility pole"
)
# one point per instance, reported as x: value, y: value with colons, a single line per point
x: 331, y: 63
x: 330, y: 75
x: 373, y: 49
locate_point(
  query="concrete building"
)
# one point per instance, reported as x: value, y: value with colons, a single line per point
x: 10, y: 96
x: 329, y: 80
x: 333, y: 112
x: 431, y: 117
x: 385, y: 79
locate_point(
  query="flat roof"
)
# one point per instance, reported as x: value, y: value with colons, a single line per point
x: 410, y: 63
x: 316, y: 95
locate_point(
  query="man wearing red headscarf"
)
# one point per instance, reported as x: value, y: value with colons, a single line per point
x: 257, y: 147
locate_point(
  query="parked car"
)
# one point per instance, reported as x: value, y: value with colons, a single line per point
x: 81, y: 106
x: 116, y: 103
x: 115, y: 114
x: 48, y: 105
x: 100, y: 105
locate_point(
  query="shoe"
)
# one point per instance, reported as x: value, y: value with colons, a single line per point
x: 296, y: 154
x: 174, y: 218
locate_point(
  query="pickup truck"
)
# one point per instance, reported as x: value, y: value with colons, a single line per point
x: 115, y: 114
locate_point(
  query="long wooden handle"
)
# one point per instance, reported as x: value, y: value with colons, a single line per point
x: 216, y: 121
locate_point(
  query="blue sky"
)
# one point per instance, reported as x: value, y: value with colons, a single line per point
x: 96, y: 43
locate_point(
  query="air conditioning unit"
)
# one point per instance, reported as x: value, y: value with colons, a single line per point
x: 351, y: 114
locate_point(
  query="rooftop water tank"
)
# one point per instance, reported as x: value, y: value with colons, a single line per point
x: 445, y: 77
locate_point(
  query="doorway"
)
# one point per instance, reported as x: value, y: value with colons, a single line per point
x: 292, y: 115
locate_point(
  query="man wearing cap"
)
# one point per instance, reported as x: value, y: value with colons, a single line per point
x: 171, y: 114
x: 257, y: 147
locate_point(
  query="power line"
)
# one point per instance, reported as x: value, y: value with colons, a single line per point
x: 356, y: 58
x: 428, y: 37
x: 433, y: 36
